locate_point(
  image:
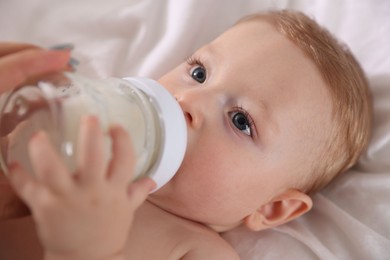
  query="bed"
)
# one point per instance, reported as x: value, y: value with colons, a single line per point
x: 351, y: 217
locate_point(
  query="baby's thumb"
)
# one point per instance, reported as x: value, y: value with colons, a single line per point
x: 10, y: 205
x: 23, y: 183
x: 12, y: 193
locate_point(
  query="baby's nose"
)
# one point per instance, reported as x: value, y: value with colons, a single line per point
x: 193, y: 106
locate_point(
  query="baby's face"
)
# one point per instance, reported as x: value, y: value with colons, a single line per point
x: 256, y: 111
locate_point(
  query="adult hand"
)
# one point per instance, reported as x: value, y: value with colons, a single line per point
x: 20, y: 63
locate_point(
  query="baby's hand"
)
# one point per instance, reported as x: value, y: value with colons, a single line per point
x: 86, y: 215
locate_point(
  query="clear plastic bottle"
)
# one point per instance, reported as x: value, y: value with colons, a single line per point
x: 149, y: 113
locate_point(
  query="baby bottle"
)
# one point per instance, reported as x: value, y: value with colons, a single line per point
x: 144, y: 108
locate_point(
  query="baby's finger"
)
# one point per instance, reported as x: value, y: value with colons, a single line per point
x: 139, y: 190
x: 48, y: 165
x: 91, y: 161
x: 18, y: 67
x: 121, y: 168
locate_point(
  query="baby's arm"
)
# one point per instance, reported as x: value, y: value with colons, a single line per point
x: 87, y: 215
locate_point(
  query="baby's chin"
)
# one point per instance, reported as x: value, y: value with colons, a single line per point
x: 158, y: 201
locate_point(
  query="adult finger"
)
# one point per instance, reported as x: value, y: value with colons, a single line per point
x: 18, y: 67
x: 7, y: 48
x: 122, y: 164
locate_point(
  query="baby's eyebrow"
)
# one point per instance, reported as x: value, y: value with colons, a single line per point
x: 266, y: 124
x: 210, y: 52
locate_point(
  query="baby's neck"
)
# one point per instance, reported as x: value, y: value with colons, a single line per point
x: 213, y: 227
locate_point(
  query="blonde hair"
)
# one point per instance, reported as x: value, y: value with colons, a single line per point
x: 348, y: 88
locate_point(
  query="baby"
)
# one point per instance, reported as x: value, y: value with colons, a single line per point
x: 275, y: 109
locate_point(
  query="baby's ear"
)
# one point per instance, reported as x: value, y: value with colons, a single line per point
x: 283, y: 208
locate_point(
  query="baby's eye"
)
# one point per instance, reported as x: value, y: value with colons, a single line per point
x: 242, y: 122
x: 198, y: 73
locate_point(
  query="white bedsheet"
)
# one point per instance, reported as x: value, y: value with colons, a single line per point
x: 350, y: 219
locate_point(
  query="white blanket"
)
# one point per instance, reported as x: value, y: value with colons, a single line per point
x: 350, y: 219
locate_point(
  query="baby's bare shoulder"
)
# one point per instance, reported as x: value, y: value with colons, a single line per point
x: 210, y: 246
x: 196, y: 241
x: 173, y: 238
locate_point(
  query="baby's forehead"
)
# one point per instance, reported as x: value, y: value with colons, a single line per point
x: 256, y: 30
x: 254, y: 41
x: 256, y: 48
